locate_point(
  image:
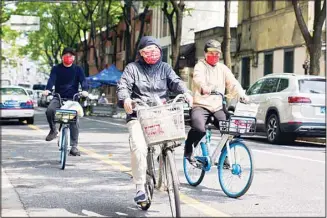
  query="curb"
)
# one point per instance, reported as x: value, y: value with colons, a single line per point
x: 11, y: 206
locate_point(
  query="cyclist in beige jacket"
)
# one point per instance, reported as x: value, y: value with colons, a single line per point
x: 209, y: 75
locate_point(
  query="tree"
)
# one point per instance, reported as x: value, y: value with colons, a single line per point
x: 227, y: 36
x: 175, y: 31
x: 312, y: 41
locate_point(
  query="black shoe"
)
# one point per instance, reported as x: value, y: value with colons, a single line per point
x: 51, y: 136
x: 190, y: 158
x: 74, y: 152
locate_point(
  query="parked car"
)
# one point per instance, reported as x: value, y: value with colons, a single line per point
x: 290, y: 105
x: 16, y: 103
x: 34, y: 96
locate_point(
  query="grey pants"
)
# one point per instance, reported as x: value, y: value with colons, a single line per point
x: 74, y: 127
x: 199, y: 118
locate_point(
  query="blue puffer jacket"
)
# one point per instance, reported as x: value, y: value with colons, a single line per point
x: 144, y: 81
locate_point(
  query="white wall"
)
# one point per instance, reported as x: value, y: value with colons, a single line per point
x: 278, y: 61
x: 206, y: 15
x: 299, y: 57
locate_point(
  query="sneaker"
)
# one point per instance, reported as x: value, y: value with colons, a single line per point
x: 190, y: 158
x: 51, y: 136
x: 140, y: 197
x: 74, y: 152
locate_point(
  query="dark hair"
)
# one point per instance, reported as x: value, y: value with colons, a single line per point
x: 68, y: 50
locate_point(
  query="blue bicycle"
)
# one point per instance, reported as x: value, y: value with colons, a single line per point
x: 64, y: 117
x: 226, y: 156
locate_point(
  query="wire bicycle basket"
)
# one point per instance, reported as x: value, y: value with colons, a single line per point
x: 65, y: 116
x: 238, y: 125
x: 164, y: 123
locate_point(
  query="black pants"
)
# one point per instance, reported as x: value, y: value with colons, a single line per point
x: 51, y: 110
x: 199, y: 118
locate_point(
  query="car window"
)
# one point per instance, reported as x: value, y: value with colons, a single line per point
x: 283, y: 84
x: 12, y: 91
x: 30, y: 92
x: 313, y: 86
x: 269, y: 86
x: 255, y: 88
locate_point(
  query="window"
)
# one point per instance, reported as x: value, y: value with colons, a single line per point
x: 12, y: 91
x: 268, y: 65
x: 255, y: 88
x: 288, y: 3
x: 288, y: 61
x: 313, y: 86
x: 165, y: 54
x: 269, y: 86
x: 245, y: 72
x: 271, y: 5
x: 283, y: 84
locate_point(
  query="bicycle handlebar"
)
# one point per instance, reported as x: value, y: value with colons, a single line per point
x: 223, y: 102
x: 60, y: 99
x: 142, y: 103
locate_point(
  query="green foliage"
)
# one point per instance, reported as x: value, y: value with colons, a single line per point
x: 62, y: 25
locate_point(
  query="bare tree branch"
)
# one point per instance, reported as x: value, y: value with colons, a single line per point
x: 302, y: 25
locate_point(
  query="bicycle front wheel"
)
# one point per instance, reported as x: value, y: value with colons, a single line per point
x: 172, y: 184
x: 194, y: 174
x: 63, y: 150
x: 236, y: 178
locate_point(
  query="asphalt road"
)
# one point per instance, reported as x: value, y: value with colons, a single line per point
x: 289, y: 180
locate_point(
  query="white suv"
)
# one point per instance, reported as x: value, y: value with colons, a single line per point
x: 290, y: 105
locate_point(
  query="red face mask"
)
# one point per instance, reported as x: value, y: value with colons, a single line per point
x: 212, y: 59
x: 68, y: 60
x: 151, y: 57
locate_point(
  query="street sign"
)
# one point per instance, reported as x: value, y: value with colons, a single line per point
x: 24, y: 23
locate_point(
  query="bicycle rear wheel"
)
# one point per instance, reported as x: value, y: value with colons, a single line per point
x: 240, y: 172
x: 63, y: 147
x: 172, y: 184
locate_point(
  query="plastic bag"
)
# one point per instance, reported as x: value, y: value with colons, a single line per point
x: 73, y: 105
x: 247, y: 110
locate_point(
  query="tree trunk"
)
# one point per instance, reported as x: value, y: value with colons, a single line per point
x: 141, y: 33
x: 85, y: 52
x: 175, y: 32
x: 127, y: 38
x: 313, y: 42
x: 227, y: 36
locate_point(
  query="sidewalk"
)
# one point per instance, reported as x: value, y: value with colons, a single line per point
x: 11, y: 205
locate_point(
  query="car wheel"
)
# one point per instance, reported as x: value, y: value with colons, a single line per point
x: 274, y: 134
x: 30, y: 120
x: 273, y: 129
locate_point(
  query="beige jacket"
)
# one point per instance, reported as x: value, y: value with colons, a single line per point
x: 218, y: 78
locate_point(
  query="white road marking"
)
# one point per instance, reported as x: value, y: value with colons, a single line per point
x: 290, y: 156
x: 121, y: 214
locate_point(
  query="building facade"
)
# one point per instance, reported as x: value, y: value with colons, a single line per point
x: 269, y: 39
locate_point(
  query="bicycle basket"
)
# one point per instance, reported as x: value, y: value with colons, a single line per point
x: 238, y: 125
x: 65, y: 116
x: 162, y: 123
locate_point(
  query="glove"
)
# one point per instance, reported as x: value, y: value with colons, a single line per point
x: 46, y: 92
x: 85, y: 93
x: 189, y: 99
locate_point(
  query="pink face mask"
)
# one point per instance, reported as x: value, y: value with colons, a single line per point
x: 151, y: 56
x: 68, y: 60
